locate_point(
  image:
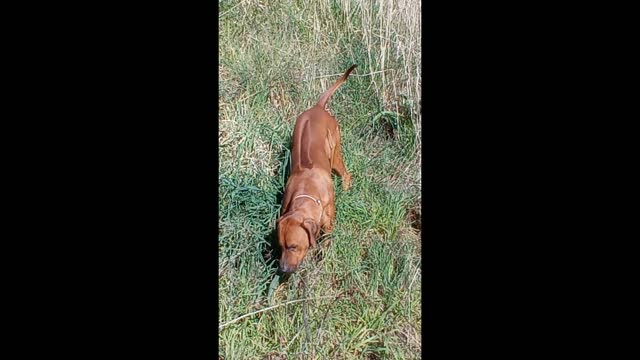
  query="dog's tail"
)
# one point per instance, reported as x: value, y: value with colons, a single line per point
x: 327, y: 94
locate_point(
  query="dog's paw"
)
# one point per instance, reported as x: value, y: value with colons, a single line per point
x: 328, y: 228
x: 346, y: 182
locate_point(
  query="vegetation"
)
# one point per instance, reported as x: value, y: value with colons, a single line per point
x: 362, y: 281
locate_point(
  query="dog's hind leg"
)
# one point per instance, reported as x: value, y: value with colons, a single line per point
x: 338, y: 163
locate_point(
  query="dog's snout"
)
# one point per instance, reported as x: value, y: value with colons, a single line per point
x: 285, y: 268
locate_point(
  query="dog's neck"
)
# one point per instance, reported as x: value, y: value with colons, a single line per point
x: 307, y: 206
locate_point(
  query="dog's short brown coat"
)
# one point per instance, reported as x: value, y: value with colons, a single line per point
x: 315, y: 152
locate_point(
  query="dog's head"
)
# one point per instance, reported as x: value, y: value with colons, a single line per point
x: 295, y: 236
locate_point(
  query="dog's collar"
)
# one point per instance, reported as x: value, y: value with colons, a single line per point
x: 317, y: 201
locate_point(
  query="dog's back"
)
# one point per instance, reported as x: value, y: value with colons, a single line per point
x: 311, y: 131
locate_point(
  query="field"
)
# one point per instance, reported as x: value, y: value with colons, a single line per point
x: 359, y: 289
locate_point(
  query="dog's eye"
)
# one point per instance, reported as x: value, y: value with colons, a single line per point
x: 292, y: 247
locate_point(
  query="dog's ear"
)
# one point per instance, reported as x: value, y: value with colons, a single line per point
x: 287, y: 217
x: 284, y: 217
x: 279, y: 224
x: 312, y: 230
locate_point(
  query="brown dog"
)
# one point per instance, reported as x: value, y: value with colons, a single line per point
x: 309, y: 197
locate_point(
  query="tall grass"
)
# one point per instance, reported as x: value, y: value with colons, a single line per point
x: 363, y: 281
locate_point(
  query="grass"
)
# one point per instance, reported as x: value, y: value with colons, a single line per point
x: 362, y: 283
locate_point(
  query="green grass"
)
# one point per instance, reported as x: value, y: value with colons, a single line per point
x: 363, y: 280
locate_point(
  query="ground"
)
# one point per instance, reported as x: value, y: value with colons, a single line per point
x: 363, y: 281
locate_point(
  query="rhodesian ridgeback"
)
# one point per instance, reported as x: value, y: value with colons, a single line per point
x: 309, y: 198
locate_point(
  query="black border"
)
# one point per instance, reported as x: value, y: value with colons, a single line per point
x: 125, y: 179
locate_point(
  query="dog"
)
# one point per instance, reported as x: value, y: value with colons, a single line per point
x: 309, y: 199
